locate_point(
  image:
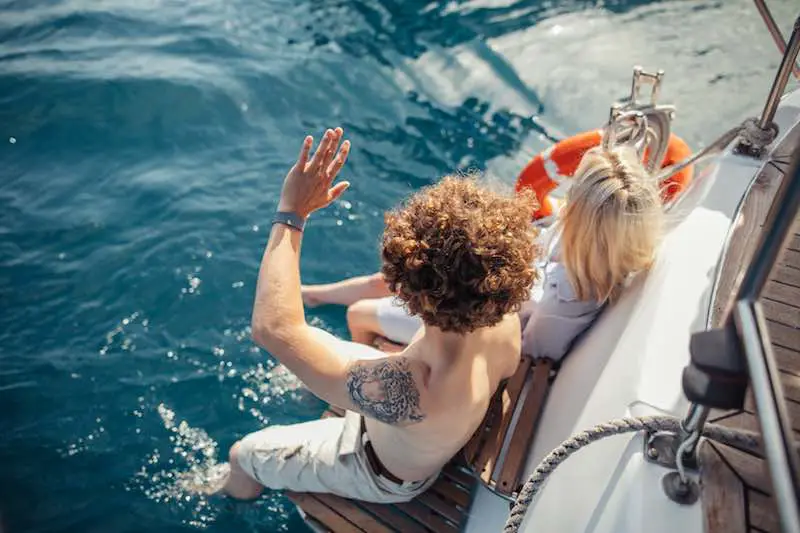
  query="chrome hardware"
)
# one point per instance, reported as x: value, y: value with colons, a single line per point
x: 760, y: 133
x: 640, y: 122
x: 640, y: 77
x: 775, y: 31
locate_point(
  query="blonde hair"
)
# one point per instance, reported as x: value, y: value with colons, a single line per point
x: 611, y: 224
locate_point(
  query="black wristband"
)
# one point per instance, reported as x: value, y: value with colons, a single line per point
x: 288, y: 218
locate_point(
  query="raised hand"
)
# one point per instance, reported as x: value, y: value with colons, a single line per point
x: 307, y: 186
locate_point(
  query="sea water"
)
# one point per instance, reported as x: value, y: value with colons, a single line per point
x: 142, y: 148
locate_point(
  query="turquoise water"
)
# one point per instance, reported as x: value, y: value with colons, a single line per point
x: 142, y: 147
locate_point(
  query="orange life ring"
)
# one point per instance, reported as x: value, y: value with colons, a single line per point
x: 545, y: 171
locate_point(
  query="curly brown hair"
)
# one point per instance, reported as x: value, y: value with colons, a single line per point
x: 459, y: 255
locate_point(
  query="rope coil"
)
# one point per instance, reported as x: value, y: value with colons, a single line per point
x: 756, y: 136
x: 736, y: 438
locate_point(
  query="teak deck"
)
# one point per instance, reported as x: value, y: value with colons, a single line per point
x: 498, y: 450
x: 736, y: 492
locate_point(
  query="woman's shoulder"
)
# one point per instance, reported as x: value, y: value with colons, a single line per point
x: 557, y: 288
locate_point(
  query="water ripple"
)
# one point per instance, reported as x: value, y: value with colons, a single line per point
x: 143, y: 144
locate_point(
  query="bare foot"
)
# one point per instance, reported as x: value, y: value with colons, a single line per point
x: 208, y: 481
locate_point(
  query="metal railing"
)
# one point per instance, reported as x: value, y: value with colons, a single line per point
x: 739, y: 355
x: 775, y: 31
x: 758, y: 133
x: 776, y: 428
x: 782, y: 78
x: 753, y: 350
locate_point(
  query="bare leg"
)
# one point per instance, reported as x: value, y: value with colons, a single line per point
x: 362, y: 321
x: 238, y: 484
x: 346, y: 292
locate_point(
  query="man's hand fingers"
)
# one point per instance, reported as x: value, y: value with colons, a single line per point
x: 331, y: 152
x: 337, y: 164
x: 337, y: 190
x: 322, y: 150
x: 302, y: 159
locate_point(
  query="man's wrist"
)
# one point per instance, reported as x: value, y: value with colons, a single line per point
x: 287, y: 207
x: 289, y: 218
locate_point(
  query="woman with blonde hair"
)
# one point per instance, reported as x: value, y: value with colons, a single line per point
x: 608, y: 230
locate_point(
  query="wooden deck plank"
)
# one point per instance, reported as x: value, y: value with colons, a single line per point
x: 722, y: 494
x: 322, y: 513
x: 763, y: 513
x: 442, y: 507
x: 526, y: 425
x: 785, y: 294
x: 791, y: 386
x: 787, y: 360
x: 400, y: 521
x: 487, y: 459
x: 792, y: 409
x: 780, y: 312
x: 475, y: 443
x: 458, y: 475
x: 353, y: 513
x: 718, y: 414
x: 786, y: 275
x: 790, y: 258
x: 484, y: 462
x: 452, y: 492
x: 784, y: 336
x: 427, y: 517
x: 794, y: 242
x: 751, y: 469
x: 746, y: 421
x: 742, y: 420
x: 510, y: 402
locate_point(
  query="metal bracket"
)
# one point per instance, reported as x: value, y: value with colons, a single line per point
x: 640, y: 78
x: 683, y: 492
x: 641, y: 123
x: 662, y: 449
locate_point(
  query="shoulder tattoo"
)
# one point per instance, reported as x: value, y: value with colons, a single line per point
x: 385, y: 390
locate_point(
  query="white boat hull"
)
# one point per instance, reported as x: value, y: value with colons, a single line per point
x: 630, y: 364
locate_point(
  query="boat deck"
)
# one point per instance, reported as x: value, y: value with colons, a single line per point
x: 736, y: 487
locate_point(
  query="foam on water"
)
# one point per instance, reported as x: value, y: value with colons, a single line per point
x: 186, y: 475
x: 181, y: 475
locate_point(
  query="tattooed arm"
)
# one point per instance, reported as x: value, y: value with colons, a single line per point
x: 384, y: 389
x: 389, y: 389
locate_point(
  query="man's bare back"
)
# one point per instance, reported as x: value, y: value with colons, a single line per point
x: 458, y: 381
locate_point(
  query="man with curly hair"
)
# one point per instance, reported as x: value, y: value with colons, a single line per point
x: 459, y: 256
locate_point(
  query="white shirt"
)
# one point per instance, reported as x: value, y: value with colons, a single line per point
x: 554, y: 317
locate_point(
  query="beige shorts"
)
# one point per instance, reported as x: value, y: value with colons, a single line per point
x: 324, y: 455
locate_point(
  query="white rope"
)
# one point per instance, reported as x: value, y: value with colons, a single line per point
x: 738, y: 439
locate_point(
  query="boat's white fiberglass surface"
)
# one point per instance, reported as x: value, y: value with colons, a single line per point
x: 630, y: 364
